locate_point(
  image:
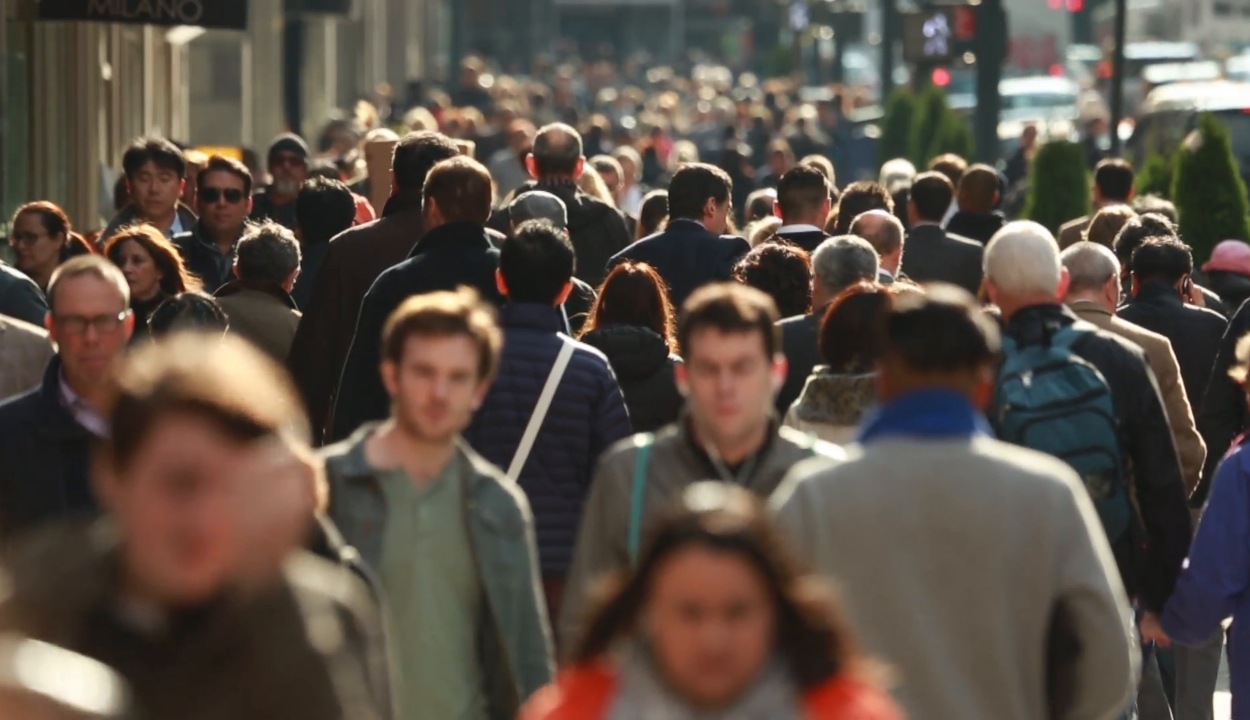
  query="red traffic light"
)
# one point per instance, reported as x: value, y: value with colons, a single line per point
x: 1075, y: 5
x: 941, y: 77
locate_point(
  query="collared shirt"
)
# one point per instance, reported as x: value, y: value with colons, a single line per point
x: 177, y: 227
x: 800, y: 228
x: 84, y: 414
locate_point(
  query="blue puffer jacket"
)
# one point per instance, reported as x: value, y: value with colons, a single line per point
x: 587, y: 415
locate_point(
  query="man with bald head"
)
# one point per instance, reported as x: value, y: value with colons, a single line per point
x: 885, y: 233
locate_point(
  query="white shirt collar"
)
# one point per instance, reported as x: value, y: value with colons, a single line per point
x: 799, y: 228
x: 84, y: 414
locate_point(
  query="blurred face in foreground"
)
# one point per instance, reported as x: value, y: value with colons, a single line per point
x: 729, y: 381
x: 436, y: 387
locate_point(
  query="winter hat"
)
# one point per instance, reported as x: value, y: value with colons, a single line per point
x: 289, y: 142
x: 1230, y: 256
x: 539, y: 205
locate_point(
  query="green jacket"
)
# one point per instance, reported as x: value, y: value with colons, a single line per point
x: 516, y: 649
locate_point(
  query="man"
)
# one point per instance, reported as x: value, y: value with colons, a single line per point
x: 836, y: 265
x: 46, y: 433
x: 1107, y: 224
x: 155, y: 173
x: 631, y: 193
x: 780, y: 162
x: 451, y: 538
x: 934, y: 254
x: 761, y: 205
x: 586, y: 414
x: 983, y: 614
x: 1024, y: 278
x: 1093, y: 294
x: 225, y: 199
x: 733, y: 367
x: 885, y: 233
x: 20, y: 297
x: 208, y: 495
x: 1135, y: 232
x: 24, y: 354
x: 540, y: 205
x: 454, y: 251
x: 953, y: 167
x: 1021, y: 160
x: 353, y: 262
x: 507, y: 165
x: 288, y: 164
x: 1113, y: 185
x: 978, y: 196
x: 258, y: 303
x: 803, y: 205
x: 693, y: 249
x: 857, y: 199
x: 324, y: 210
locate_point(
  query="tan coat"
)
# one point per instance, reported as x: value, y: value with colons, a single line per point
x: 24, y: 353
x: 262, y: 317
x: 1072, y: 232
x: 1190, y: 448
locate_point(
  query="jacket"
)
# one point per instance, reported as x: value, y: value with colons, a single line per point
x: 931, y: 254
x: 312, y: 257
x: 832, y: 404
x: 587, y: 415
x: 24, y: 354
x: 586, y: 692
x: 675, y: 461
x: 643, y: 366
x: 204, y: 259
x: 353, y: 262
x: 800, y: 342
x: 687, y: 256
x: 977, y: 569
x: 1224, y: 413
x: 975, y: 226
x: 516, y: 651
x: 247, y: 659
x: 1073, y: 231
x: 20, y: 297
x: 447, y: 257
x: 44, y: 458
x: 130, y: 215
x: 1233, y: 288
x: 1190, y: 448
x: 264, y: 315
x: 1150, y: 566
x: 263, y: 208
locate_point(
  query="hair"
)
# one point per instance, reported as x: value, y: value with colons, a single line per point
x: 1089, y: 265
x: 93, y: 265
x: 813, y: 637
x: 950, y: 165
x: 1137, y: 230
x: 443, y: 314
x: 760, y: 204
x: 1240, y: 369
x: 825, y: 166
x: 1152, y: 203
x: 941, y: 332
x: 267, y: 254
x: 1023, y: 258
x: 692, y: 186
x: 158, y: 151
x: 220, y: 163
x: 635, y: 294
x: 840, y: 262
x: 802, y: 192
x: 652, y: 213
x: 729, y: 308
x: 885, y: 235
x: 607, y: 163
x: 1107, y: 224
x: 781, y: 146
x: 416, y: 154
x: 897, y: 174
x: 764, y: 231
x: 857, y: 199
x: 175, y: 276
x: 625, y: 152
x: 978, y: 189
x: 56, y: 222
x: 591, y: 183
x: 932, y: 193
x: 1162, y: 258
x: 187, y: 311
x: 462, y: 189
x: 557, y: 150
x: 536, y: 262
x: 782, y: 271
x: 323, y: 209
x: 848, y: 330
x: 1114, y: 179
x: 222, y: 379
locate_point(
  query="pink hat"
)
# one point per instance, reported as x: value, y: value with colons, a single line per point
x: 1230, y: 256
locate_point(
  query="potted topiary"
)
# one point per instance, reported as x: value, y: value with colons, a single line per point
x: 1209, y: 193
x: 1059, y: 185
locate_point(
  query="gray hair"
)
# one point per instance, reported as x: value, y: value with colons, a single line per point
x: 267, y: 253
x: 1022, y: 259
x: 841, y: 262
x: 881, y: 229
x: 96, y: 266
x: 557, y: 148
x: 1089, y: 266
x: 897, y: 174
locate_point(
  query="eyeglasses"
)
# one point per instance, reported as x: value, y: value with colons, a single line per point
x: 78, y: 324
x: 25, y: 238
x: 234, y: 196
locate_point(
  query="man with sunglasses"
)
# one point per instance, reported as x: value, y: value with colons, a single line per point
x: 224, y: 199
x: 46, y: 434
x: 288, y: 164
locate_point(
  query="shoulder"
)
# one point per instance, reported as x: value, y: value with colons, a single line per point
x: 322, y: 587
x: 17, y: 330
x: 16, y: 413
x: 963, y: 244
x: 1101, y: 341
x: 494, y: 482
x: 1208, y: 316
x: 579, y: 693
x: 846, y: 698
x: 1074, y: 225
x: 804, y: 446
x: 589, y: 355
x: 352, y: 236
x: 1149, y: 340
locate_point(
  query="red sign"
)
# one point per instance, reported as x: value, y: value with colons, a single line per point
x: 965, y: 22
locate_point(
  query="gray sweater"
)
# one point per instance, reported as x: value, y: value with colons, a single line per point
x: 977, y: 570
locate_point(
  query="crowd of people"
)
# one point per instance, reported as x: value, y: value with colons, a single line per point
x: 521, y: 443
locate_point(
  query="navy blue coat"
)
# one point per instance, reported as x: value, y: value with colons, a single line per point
x: 20, y: 297
x: 586, y: 416
x: 687, y: 256
x: 445, y: 258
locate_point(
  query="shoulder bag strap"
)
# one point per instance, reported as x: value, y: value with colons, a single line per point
x: 540, y: 410
x: 645, y: 441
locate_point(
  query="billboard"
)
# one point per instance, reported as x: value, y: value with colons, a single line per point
x: 224, y: 14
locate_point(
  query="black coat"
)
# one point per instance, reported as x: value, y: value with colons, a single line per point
x: 800, y: 341
x: 204, y: 260
x: 809, y: 240
x: 263, y: 208
x: 975, y: 226
x: 687, y: 256
x: 1223, y: 414
x: 931, y: 254
x: 446, y: 257
x: 20, y: 297
x: 1233, y: 288
x: 644, y: 369
x: 44, y: 458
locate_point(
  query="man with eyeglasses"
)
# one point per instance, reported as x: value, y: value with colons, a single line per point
x: 224, y: 197
x: 288, y: 164
x: 46, y: 434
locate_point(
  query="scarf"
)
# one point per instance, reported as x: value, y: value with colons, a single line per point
x: 932, y: 414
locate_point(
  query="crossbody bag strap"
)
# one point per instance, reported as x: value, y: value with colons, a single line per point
x: 638, y: 497
x: 540, y: 410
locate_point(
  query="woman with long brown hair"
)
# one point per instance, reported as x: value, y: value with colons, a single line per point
x: 153, y: 267
x: 716, y: 622
x: 43, y: 238
x: 633, y: 324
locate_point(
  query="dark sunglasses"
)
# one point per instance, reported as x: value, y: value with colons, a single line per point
x: 234, y: 196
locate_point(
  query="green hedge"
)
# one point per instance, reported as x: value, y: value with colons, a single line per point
x: 1208, y: 190
x: 896, y: 127
x: 1059, y: 186
x: 922, y: 126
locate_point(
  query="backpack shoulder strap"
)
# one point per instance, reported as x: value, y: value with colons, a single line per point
x: 1066, y: 336
x: 644, y: 443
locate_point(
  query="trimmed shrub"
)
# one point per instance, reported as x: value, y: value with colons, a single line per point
x: 1207, y: 188
x: 896, y: 126
x: 1059, y: 185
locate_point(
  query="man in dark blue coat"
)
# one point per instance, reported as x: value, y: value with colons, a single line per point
x: 454, y: 251
x: 692, y: 250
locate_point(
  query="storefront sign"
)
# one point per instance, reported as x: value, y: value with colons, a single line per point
x: 225, y: 14
x: 318, y: 7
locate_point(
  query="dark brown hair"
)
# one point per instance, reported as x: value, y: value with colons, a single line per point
x: 56, y: 222
x: 175, y: 278
x: 441, y: 314
x: 783, y: 271
x: 221, y: 163
x: 461, y: 187
x: 730, y: 307
x: 848, y: 331
x: 652, y: 213
x: 635, y: 294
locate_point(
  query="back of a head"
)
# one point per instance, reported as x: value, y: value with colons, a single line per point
x: 537, y: 262
x: 635, y: 294
x: 1023, y: 259
x: 801, y: 195
x: 692, y: 186
x: 848, y: 330
x: 729, y: 308
x: 653, y: 211
x: 857, y: 199
x: 932, y: 193
x: 897, y: 174
x: 461, y: 187
x: 1137, y: 230
x: 1107, y: 224
x: 942, y: 333
x: 323, y: 209
x: 978, y: 190
x: 416, y: 154
x: 557, y: 150
x: 187, y: 311
x: 1114, y: 179
x: 825, y: 166
x: 1089, y: 265
x: 881, y: 229
x: 1152, y: 203
x: 607, y: 164
x: 1163, y: 259
x: 782, y: 271
x: 950, y: 165
x: 760, y: 204
x: 841, y: 262
x: 267, y: 254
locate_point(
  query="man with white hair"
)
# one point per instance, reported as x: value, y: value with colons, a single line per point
x: 897, y: 174
x: 1025, y: 279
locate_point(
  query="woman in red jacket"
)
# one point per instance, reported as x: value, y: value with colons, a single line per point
x: 715, y: 622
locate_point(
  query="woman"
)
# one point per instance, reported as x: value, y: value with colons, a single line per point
x: 784, y: 272
x: 838, y: 393
x: 653, y: 213
x: 43, y: 238
x: 592, y: 183
x: 781, y: 649
x: 153, y: 268
x: 633, y: 324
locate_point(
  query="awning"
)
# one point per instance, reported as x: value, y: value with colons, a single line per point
x: 223, y: 14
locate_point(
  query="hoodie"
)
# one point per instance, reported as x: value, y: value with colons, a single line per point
x: 644, y: 370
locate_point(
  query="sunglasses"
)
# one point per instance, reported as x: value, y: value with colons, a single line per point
x: 234, y: 196
x: 288, y: 161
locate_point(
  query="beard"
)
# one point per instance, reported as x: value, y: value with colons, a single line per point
x: 412, y: 426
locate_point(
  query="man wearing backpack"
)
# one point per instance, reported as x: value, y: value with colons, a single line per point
x: 1047, y: 353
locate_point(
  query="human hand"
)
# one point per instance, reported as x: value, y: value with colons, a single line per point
x: 1152, y: 631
